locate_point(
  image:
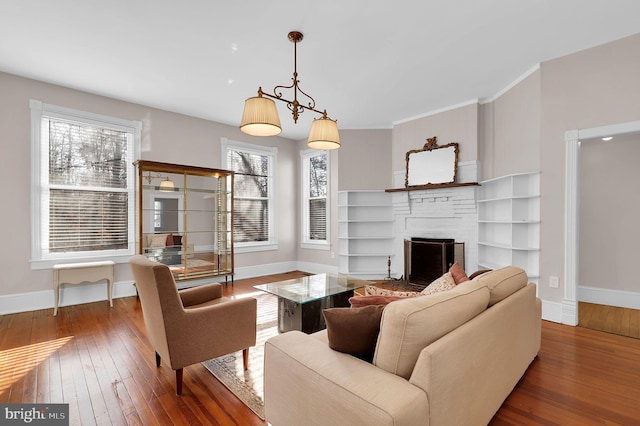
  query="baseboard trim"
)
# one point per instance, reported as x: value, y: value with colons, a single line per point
x: 603, y: 296
x: 69, y: 295
x: 552, y: 311
x: 88, y: 293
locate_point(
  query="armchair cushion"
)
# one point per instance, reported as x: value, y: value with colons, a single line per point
x: 198, y: 295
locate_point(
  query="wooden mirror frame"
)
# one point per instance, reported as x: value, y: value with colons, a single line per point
x: 423, y: 154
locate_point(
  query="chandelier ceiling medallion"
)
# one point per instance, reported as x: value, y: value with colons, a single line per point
x: 260, y: 116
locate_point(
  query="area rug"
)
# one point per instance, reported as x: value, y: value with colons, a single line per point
x: 247, y: 385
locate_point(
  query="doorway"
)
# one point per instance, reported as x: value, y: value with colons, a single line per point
x: 570, y: 307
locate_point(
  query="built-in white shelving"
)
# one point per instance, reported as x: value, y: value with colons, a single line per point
x: 365, y: 234
x: 509, y: 223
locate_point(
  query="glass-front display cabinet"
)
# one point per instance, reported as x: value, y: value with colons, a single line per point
x: 185, y: 218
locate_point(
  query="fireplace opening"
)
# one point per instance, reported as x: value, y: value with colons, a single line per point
x: 426, y: 259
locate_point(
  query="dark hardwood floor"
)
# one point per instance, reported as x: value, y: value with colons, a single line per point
x: 99, y: 361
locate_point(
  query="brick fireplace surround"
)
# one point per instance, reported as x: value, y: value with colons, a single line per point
x: 437, y: 213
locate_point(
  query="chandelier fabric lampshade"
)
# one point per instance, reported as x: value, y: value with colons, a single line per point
x: 260, y: 117
x: 166, y: 185
x: 324, y: 134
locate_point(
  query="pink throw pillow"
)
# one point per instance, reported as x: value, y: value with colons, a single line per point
x: 458, y: 274
x: 359, y: 301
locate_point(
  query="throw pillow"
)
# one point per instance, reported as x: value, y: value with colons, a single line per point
x: 372, y: 290
x: 458, y: 274
x: 177, y: 240
x: 354, y: 330
x: 360, y: 301
x: 169, y: 240
x: 443, y: 283
x: 159, y: 240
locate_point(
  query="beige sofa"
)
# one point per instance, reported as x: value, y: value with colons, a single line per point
x: 449, y: 358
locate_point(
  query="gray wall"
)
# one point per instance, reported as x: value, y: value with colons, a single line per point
x: 173, y: 138
x: 591, y: 88
x: 166, y: 136
x: 609, y: 206
x: 523, y: 130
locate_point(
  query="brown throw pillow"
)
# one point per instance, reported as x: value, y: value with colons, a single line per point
x: 177, y: 240
x: 458, y: 274
x: 169, y: 242
x: 354, y: 330
x: 360, y: 301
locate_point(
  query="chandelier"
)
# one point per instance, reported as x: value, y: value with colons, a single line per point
x: 165, y: 186
x: 260, y: 116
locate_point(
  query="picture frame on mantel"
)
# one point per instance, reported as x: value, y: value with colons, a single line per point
x: 432, y: 165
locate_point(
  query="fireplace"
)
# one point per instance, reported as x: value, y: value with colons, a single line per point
x: 426, y: 259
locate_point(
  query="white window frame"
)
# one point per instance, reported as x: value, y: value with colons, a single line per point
x: 41, y: 258
x: 306, y: 242
x: 272, y: 153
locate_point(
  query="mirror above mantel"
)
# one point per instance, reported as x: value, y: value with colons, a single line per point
x: 433, y: 166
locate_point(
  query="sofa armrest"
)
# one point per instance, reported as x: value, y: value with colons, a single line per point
x: 201, y: 294
x: 306, y: 382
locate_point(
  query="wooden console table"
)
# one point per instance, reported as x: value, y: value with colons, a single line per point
x: 76, y: 273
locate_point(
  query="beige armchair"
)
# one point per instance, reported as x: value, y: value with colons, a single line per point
x: 193, y: 325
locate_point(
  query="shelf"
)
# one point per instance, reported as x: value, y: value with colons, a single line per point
x: 508, y: 222
x: 365, y: 232
x: 513, y: 222
x: 507, y: 246
x: 366, y: 254
x: 520, y: 197
x: 432, y: 186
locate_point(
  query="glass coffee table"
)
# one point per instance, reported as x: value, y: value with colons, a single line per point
x: 301, y: 300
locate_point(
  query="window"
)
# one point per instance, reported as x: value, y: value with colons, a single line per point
x: 253, y: 194
x: 315, y: 200
x: 83, y: 201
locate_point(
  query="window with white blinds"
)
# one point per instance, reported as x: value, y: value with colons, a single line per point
x: 315, y: 204
x: 84, y: 188
x: 253, y: 194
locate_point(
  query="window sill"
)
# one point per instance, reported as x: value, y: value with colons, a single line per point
x: 315, y: 246
x: 42, y: 264
x: 253, y: 248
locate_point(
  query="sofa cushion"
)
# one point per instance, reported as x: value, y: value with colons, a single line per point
x: 353, y: 330
x: 410, y: 326
x: 503, y: 282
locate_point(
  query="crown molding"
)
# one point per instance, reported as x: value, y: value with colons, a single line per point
x: 438, y: 111
x: 510, y: 86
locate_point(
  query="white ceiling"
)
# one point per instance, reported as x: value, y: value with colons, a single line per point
x: 368, y: 63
